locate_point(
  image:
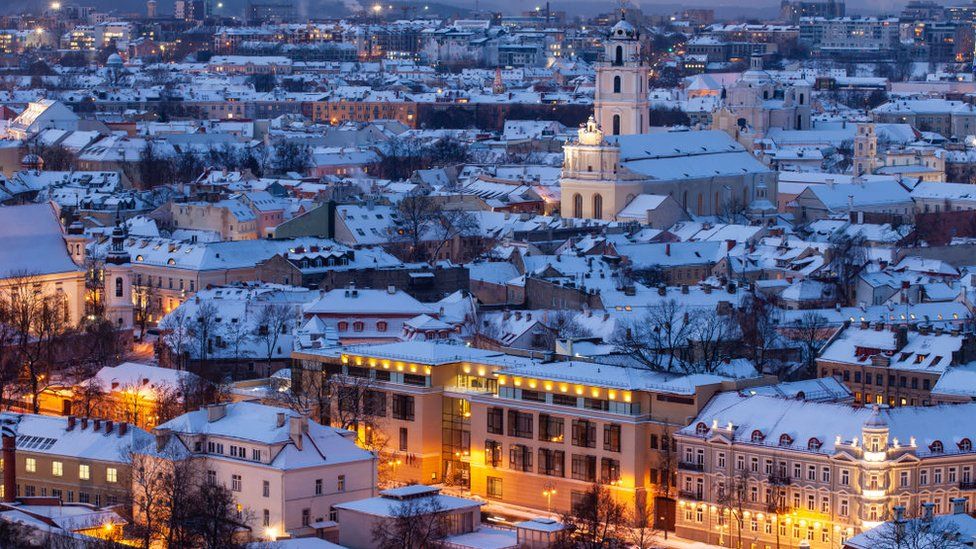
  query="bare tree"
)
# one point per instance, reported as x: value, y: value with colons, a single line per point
x: 146, y: 306
x: 712, y: 336
x: 202, y: 329
x: 846, y: 258
x: 655, y: 339
x: 598, y: 520
x: 916, y: 533
x: 426, y: 226
x: 272, y: 321
x: 39, y: 320
x: 640, y: 530
x: 758, y: 321
x: 732, y: 498
x: 811, y: 331
x: 178, y: 336
x: 414, y: 524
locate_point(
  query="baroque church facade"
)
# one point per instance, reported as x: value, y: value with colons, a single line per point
x: 614, y: 159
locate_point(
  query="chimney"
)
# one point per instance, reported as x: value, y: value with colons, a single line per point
x: 84, y: 423
x: 899, y: 521
x: 9, y: 435
x: 96, y: 425
x: 162, y: 438
x: 928, y: 511
x: 297, y: 426
x: 216, y: 412
x: 71, y: 423
x: 281, y: 419
x: 123, y: 429
x: 865, y: 324
x: 901, y: 337
x: 391, y: 289
x: 958, y: 506
x: 879, y: 326
x: 108, y: 427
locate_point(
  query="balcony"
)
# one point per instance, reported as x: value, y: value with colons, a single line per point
x: 967, y: 485
x: 691, y: 466
x: 780, y: 480
x: 691, y: 494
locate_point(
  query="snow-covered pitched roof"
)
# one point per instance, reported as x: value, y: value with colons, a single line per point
x: 32, y: 241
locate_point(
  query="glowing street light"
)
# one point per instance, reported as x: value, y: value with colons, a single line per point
x: 548, y: 491
x: 55, y: 6
x: 377, y: 8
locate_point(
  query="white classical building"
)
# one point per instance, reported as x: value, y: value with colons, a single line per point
x: 614, y: 159
x: 287, y: 472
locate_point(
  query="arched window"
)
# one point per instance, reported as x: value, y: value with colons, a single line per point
x: 577, y: 205
x: 381, y: 326
x: 785, y: 440
x: 358, y: 326
x: 965, y: 445
x: 616, y: 124
x: 757, y: 436
x: 118, y: 286
x: 936, y: 447
x: 616, y: 84
x: 597, y: 206
x: 343, y: 326
x: 814, y: 444
x: 619, y: 56
x: 701, y: 429
x: 801, y: 98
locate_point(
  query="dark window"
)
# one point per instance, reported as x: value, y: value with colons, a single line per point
x: 519, y: 424
x: 584, y: 468
x: 611, y: 437
x: 496, y: 421
x: 403, y: 407
x: 550, y: 428
x: 374, y: 403
x: 520, y: 457
x: 596, y: 404
x: 564, y: 400
x: 534, y: 396
x: 609, y: 470
x: 493, y: 453
x: 616, y: 84
x: 404, y: 436
x: 494, y: 487
x: 415, y: 379
x: 653, y: 442
x: 551, y: 462
x: 584, y: 433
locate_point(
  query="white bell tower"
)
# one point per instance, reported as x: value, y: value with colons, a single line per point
x: 117, y: 278
x: 621, y: 106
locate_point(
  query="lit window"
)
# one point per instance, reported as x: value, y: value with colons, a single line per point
x: 84, y: 472
x: 112, y: 474
x: 57, y: 468
x: 30, y: 465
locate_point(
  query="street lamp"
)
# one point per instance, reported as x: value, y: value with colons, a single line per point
x: 549, y: 490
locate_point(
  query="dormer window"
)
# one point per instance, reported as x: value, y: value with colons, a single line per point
x: 814, y: 444
x: 757, y: 436
x: 701, y: 429
x: 936, y: 447
x: 965, y: 445
x: 785, y: 440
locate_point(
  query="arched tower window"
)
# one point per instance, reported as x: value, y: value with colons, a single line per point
x: 597, y: 206
x: 616, y: 84
x: 577, y: 205
x: 616, y: 124
x: 618, y: 58
x: 118, y: 286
